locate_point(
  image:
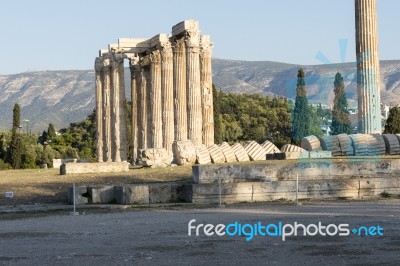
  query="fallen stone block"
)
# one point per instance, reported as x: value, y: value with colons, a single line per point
x: 184, y: 152
x: 202, y: 155
x: 292, y: 155
x: 292, y: 148
x: 229, y: 154
x: 216, y: 154
x: 240, y: 153
x: 154, y: 157
x: 270, y: 147
x: 345, y: 145
x: 391, y: 143
x: 310, y: 143
x: 255, y: 151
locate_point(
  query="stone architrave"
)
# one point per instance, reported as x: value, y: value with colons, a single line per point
x: 99, y: 108
x: 206, y: 90
x: 195, y: 117
x: 107, y: 110
x: 368, y: 75
x: 156, y: 135
x: 135, y: 73
x: 180, y: 101
x: 167, y: 95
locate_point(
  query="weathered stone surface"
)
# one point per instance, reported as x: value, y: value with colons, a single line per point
x: 184, y: 152
x: 291, y: 148
x: 216, y: 154
x: 345, y: 145
x: 132, y: 194
x: 377, y: 145
x: 80, y: 195
x: 106, y: 167
x: 293, y: 155
x: 310, y: 143
x: 160, y: 193
x: 360, y: 144
x: 270, y: 147
x: 368, y: 73
x: 229, y: 154
x: 320, y: 154
x: 326, y: 143
x: 202, y: 155
x: 101, y: 194
x: 154, y: 157
x: 240, y: 153
x: 255, y: 151
x: 392, y: 144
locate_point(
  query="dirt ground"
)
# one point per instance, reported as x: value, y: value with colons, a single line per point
x: 44, y: 186
x: 160, y: 236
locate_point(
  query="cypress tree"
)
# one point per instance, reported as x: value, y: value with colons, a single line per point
x: 301, y: 113
x: 51, y: 131
x: 393, y: 122
x: 16, y: 148
x: 340, y: 115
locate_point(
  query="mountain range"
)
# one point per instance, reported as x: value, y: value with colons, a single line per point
x: 62, y: 97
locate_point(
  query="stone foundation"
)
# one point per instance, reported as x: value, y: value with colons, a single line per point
x: 81, y: 168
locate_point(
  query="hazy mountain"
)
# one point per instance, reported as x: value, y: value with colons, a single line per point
x: 61, y: 97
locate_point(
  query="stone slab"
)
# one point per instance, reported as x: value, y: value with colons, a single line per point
x: 132, y: 194
x: 255, y: 151
x: 216, y: 154
x: 270, y: 147
x: 229, y: 154
x: 202, y: 155
x: 81, y: 195
x: 101, y: 194
x: 240, y: 153
x: 81, y: 168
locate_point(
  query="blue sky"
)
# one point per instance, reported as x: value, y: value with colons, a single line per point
x: 63, y: 35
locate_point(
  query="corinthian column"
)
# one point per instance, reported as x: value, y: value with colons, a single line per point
x: 180, y: 100
x: 117, y: 61
x: 368, y: 76
x: 142, y: 106
x: 135, y: 73
x: 155, y: 100
x: 107, y: 110
x: 167, y: 94
x: 195, y: 120
x: 206, y: 91
x: 98, y: 65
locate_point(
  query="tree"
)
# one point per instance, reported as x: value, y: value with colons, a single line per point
x: 51, y: 131
x: 16, y: 147
x: 340, y: 115
x: 393, y: 122
x: 301, y: 113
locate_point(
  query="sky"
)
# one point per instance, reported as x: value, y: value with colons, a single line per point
x: 66, y: 35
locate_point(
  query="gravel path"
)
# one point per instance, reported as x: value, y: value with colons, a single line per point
x: 160, y: 237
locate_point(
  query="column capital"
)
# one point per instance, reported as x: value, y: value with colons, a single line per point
x: 106, y: 63
x: 179, y: 45
x: 155, y: 56
x: 192, y: 37
x: 144, y: 61
x: 98, y: 64
x: 205, y: 44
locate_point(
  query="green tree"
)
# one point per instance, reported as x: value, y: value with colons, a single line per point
x: 393, y: 122
x: 301, y: 119
x: 16, y: 147
x: 51, y: 131
x: 340, y: 115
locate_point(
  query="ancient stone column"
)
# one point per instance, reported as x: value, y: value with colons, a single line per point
x: 115, y: 108
x: 206, y: 91
x: 155, y: 100
x: 122, y: 110
x: 107, y: 110
x: 368, y: 75
x: 167, y: 94
x: 98, y: 65
x: 135, y: 73
x: 142, y: 106
x: 180, y: 100
x: 195, y: 120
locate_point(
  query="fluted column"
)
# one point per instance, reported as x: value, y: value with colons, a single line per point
x: 142, y: 106
x: 167, y: 94
x: 98, y: 65
x: 116, y: 109
x: 368, y: 75
x: 206, y: 91
x: 180, y: 100
x: 155, y: 100
x: 195, y: 120
x: 135, y: 72
x: 107, y: 110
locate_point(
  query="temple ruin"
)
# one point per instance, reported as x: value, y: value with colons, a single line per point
x: 171, y: 93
